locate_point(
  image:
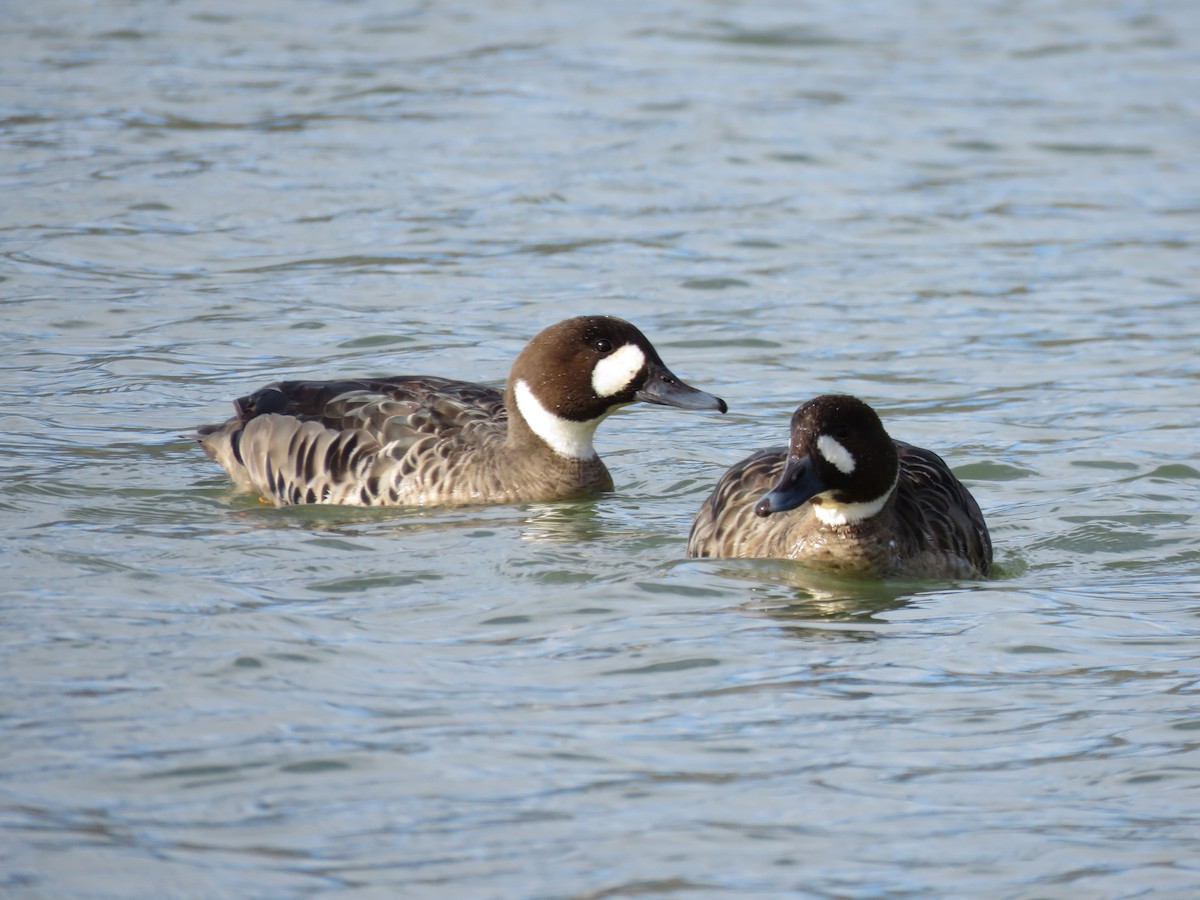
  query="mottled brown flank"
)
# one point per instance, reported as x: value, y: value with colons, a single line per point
x: 409, y: 441
x: 932, y: 526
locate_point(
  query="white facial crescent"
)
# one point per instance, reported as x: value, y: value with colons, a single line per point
x: 614, y: 373
x: 833, y: 450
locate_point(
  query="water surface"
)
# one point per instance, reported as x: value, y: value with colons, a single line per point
x: 981, y: 218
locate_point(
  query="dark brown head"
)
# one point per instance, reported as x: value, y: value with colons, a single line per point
x: 573, y: 374
x: 839, y: 457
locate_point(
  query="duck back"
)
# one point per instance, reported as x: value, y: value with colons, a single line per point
x: 407, y: 440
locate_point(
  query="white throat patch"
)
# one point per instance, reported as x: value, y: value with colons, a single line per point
x: 834, y: 451
x: 852, y: 513
x: 613, y: 373
x: 566, y: 438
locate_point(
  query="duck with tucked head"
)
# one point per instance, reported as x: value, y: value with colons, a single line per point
x: 845, y: 497
x: 422, y: 440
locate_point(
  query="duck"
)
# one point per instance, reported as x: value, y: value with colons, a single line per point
x: 846, y: 498
x: 418, y: 440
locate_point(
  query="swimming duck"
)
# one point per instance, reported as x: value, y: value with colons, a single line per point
x: 846, y: 497
x: 423, y: 440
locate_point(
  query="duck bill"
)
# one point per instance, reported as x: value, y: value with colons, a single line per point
x: 665, y: 389
x: 798, y: 483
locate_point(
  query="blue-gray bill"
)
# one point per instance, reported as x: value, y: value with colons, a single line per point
x: 798, y: 482
x: 665, y: 389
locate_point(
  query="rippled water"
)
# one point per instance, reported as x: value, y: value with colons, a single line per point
x: 980, y: 217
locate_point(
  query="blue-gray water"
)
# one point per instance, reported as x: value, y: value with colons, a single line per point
x: 980, y: 217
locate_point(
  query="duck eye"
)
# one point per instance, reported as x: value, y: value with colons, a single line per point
x: 603, y: 346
